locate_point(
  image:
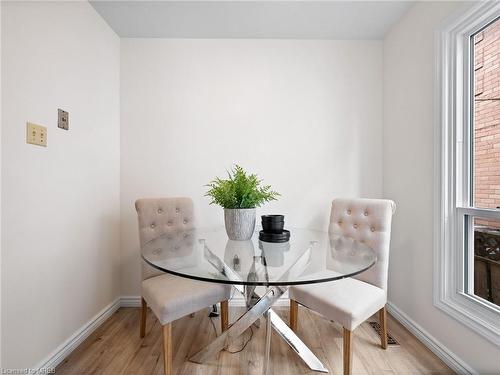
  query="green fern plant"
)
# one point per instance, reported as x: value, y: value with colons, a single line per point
x: 240, y: 190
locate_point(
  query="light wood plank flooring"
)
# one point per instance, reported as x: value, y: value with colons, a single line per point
x: 115, y: 348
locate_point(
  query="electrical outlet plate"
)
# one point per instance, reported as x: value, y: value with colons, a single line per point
x: 62, y: 119
x: 36, y: 134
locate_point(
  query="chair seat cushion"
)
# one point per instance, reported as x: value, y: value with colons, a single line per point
x: 172, y: 297
x: 347, y: 301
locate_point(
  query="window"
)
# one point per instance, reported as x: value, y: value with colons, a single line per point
x: 467, y: 263
x: 484, y: 268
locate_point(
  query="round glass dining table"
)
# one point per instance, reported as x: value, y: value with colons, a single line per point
x: 310, y: 256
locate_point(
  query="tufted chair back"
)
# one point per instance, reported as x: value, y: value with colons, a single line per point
x: 367, y: 221
x: 159, y: 216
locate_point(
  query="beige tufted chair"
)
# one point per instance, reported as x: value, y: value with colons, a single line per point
x: 353, y: 300
x: 171, y: 297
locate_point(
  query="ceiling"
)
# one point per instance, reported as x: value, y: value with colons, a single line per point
x: 252, y: 19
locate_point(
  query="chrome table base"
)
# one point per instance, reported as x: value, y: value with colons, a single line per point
x: 238, y: 327
x: 296, y: 344
x: 257, y: 307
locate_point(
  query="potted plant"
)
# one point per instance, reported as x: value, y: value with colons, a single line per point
x: 239, y: 195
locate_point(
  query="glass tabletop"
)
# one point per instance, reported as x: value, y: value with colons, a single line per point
x: 208, y: 255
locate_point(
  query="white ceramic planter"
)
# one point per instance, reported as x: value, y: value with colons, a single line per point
x: 240, y: 223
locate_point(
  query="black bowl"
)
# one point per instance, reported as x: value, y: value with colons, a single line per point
x: 273, y: 223
x: 273, y: 218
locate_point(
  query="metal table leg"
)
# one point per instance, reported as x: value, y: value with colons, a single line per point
x: 267, y: 352
x: 240, y: 326
x: 297, y: 345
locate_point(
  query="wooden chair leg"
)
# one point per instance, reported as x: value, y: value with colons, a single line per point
x: 224, y: 315
x: 382, y: 318
x: 347, y: 352
x: 167, y: 348
x: 294, y: 312
x: 144, y: 314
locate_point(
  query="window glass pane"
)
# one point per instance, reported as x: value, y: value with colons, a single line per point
x: 486, y: 117
x: 487, y: 259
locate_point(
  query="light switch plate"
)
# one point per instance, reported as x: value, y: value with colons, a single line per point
x: 62, y: 119
x: 36, y: 134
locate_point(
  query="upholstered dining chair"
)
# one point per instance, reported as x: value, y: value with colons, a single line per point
x: 353, y: 300
x: 171, y: 297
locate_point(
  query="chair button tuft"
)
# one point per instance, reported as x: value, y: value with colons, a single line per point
x: 160, y: 211
x: 169, y: 223
x: 348, y: 212
x: 340, y: 222
x: 185, y: 221
x: 355, y: 226
x: 153, y: 225
x: 366, y: 213
x: 177, y: 210
x: 372, y: 229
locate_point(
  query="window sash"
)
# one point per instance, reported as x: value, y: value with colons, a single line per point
x: 465, y: 231
x: 465, y: 209
x: 468, y: 122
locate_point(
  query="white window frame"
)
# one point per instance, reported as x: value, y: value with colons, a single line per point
x: 452, y: 161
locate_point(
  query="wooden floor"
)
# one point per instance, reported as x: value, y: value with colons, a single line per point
x: 115, y: 348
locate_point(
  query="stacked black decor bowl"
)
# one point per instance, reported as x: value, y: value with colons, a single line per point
x: 272, y: 229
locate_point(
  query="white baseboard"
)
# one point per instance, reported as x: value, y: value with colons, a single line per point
x: 237, y: 301
x: 130, y: 301
x: 65, y: 349
x: 446, y: 355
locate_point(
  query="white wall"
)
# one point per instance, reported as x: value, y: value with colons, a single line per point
x: 409, y: 57
x: 60, y: 212
x: 305, y: 115
x: 0, y: 189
